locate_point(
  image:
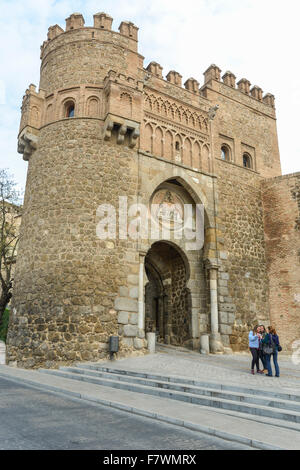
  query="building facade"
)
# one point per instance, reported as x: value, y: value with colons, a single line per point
x: 103, y: 136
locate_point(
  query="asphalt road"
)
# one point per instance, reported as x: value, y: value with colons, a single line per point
x: 34, y: 419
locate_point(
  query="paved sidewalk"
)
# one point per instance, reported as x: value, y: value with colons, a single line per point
x: 227, y: 369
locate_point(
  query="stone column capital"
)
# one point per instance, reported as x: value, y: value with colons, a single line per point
x: 142, y: 253
x: 211, y: 264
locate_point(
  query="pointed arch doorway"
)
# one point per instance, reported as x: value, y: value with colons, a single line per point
x: 167, y: 297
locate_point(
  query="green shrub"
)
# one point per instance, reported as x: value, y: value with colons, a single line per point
x: 4, y: 325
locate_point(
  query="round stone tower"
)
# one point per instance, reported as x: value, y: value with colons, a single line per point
x: 78, y: 134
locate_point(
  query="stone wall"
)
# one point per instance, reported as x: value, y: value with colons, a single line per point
x: 243, y: 284
x: 69, y: 284
x: 281, y: 199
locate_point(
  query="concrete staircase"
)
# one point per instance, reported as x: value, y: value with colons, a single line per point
x: 254, y: 417
x: 284, y: 408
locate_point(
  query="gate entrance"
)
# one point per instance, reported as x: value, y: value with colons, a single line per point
x: 167, y: 299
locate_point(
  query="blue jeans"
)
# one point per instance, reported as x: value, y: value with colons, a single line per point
x: 268, y: 358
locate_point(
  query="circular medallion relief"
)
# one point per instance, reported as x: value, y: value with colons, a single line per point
x: 167, y: 209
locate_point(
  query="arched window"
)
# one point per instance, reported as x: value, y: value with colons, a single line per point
x: 92, y: 106
x: 177, y: 145
x: 69, y: 109
x: 247, y: 161
x: 225, y: 153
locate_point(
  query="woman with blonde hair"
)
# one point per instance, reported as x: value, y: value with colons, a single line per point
x: 271, y: 346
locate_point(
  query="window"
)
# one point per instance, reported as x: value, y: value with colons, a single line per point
x: 247, y: 161
x: 225, y: 153
x: 177, y: 145
x: 69, y: 109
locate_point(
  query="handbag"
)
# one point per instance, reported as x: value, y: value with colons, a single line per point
x: 279, y: 348
x: 269, y: 348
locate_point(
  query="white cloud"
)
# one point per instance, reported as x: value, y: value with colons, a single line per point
x: 256, y: 39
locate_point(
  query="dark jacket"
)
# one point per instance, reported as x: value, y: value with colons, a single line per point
x: 267, y: 340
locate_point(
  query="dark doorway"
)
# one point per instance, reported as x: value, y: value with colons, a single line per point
x: 167, y: 299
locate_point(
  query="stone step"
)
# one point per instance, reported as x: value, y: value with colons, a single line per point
x: 197, y: 390
x: 183, y: 380
x: 207, y: 401
x: 245, y: 430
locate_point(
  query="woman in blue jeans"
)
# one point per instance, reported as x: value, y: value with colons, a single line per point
x: 271, y: 339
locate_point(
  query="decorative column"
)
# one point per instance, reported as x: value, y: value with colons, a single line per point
x: 141, y: 301
x: 215, y: 337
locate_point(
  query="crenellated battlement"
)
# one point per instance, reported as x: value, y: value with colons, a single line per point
x: 156, y: 69
x: 213, y: 73
x: 102, y: 21
x: 75, y: 24
x: 74, y: 21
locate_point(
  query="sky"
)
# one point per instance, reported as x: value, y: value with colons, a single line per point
x: 255, y: 39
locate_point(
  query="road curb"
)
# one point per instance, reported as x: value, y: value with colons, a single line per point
x: 167, y: 419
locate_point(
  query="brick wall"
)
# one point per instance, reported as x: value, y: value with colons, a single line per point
x: 281, y: 200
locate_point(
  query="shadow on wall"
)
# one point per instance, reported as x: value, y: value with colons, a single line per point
x: 4, y: 325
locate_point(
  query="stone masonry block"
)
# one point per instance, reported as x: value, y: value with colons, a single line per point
x: 223, y: 255
x: 124, y: 291
x: 138, y: 343
x: 223, y: 291
x: 225, y: 340
x: 123, y: 303
x: 133, y: 320
x: 128, y: 342
x: 225, y: 329
x: 130, y: 330
x: 134, y: 292
x: 123, y: 317
x: 133, y: 279
x: 223, y: 317
x: 224, y: 275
